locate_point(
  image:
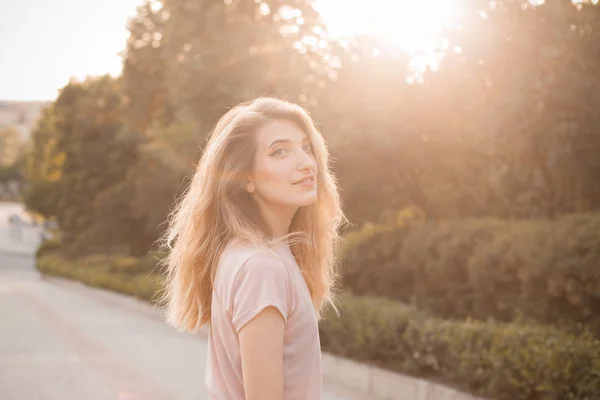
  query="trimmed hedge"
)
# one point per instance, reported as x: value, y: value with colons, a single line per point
x: 499, y: 361
x: 485, y: 268
x: 114, y: 273
x: 48, y: 246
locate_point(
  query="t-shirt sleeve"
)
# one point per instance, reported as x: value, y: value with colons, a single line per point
x: 261, y: 282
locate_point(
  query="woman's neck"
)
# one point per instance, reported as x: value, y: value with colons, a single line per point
x: 278, y: 219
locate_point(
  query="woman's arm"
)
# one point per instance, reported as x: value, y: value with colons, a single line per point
x: 261, y: 348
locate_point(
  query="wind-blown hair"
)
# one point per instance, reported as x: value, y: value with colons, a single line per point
x: 215, y: 208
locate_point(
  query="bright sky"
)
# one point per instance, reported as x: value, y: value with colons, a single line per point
x: 412, y: 25
x: 45, y: 42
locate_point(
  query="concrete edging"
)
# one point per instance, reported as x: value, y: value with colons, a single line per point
x: 16, y: 253
x: 383, y: 384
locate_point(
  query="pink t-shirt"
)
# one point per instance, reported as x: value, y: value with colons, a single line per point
x: 248, y: 280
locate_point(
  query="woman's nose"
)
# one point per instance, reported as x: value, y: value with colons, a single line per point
x: 305, y: 161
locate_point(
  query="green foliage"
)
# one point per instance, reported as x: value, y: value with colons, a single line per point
x: 119, y: 274
x: 126, y: 264
x: 10, y: 173
x: 504, y: 128
x: 10, y: 146
x: 81, y: 148
x: 144, y: 71
x: 51, y: 245
x: 255, y: 52
x: 353, y: 238
x: 498, y: 361
x: 486, y: 268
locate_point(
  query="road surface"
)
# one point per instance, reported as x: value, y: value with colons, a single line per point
x: 61, y: 340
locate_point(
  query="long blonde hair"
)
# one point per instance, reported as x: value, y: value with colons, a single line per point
x: 215, y: 208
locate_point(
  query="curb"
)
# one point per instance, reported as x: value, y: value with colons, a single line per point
x: 381, y: 384
x: 16, y: 253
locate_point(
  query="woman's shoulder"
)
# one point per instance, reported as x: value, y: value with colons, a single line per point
x: 248, y: 255
x: 239, y: 255
x: 240, y: 249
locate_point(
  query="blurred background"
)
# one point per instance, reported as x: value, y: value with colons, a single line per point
x: 465, y: 135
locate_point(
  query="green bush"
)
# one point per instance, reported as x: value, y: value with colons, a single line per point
x: 125, y: 264
x: 498, y: 361
x: 149, y: 264
x: 102, y: 271
x: 48, y: 246
x: 485, y: 268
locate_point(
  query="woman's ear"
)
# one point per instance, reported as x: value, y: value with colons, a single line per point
x: 249, y: 186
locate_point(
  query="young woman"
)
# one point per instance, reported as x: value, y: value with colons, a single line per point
x: 252, y: 252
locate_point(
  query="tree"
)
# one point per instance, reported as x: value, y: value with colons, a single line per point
x: 80, y: 149
x: 10, y: 146
x: 505, y: 127
x: 194, y: 59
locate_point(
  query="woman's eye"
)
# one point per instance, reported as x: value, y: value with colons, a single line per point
x: 279, y: 152
x: 309, y: 148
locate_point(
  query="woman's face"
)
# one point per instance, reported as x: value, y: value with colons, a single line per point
x: 285, y: 169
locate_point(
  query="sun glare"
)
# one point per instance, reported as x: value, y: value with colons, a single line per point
x: 414, y: 26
